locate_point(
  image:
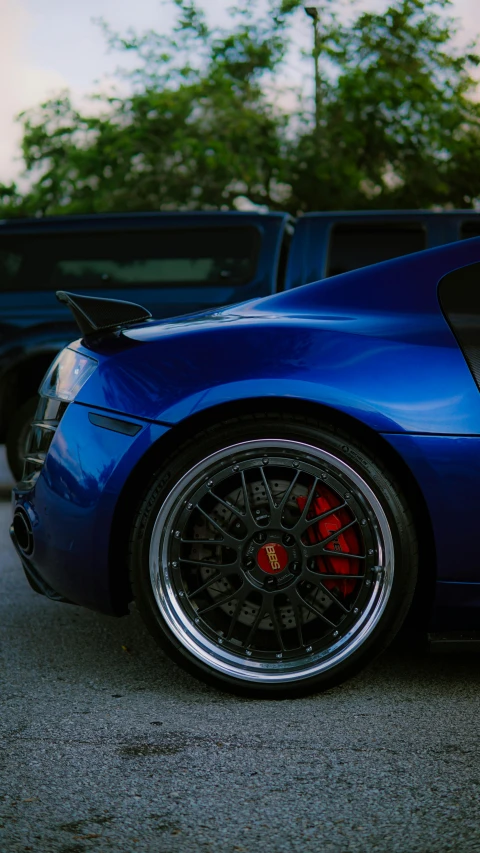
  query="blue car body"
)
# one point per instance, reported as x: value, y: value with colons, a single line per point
x: 372, y: 347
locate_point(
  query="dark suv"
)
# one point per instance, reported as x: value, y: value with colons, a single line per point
x: 174, y: 263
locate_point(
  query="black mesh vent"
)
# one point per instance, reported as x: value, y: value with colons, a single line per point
x: 459, y: 295
x: 45, y: 422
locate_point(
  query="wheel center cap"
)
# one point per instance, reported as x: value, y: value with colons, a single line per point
x: 272, y: 558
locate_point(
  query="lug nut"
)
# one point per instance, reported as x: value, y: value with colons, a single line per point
x: 271, y: 583
x: 288, y: 539
x: 260, y: 537
x: 250, y: 563
x: 295, y: 568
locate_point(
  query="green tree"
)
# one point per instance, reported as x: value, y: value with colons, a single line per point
x: 396, y: 125
x: 399, y: 123
x: 189, y: 134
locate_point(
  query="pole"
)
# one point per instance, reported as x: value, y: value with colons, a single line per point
x: 312, y: 13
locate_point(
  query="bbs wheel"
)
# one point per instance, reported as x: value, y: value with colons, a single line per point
x: 273, y: 556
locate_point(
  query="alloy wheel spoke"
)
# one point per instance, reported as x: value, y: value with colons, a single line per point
x: 300, y: 523
x: 331, y: 538
x: 213, y: 579
x: 228, y: 505
x: 248, y: 510
x: 254, y: 628
x: 323, y: 515
x: 319, y: 550
x: 297, y: 612
x: 234, y: 617
x: 317, y: 579
x: 268, y: 493
x: 295, y: 602
x: 242, y: 590
x: 227, y: 568
x: 337, y: 576
x: 305, y: 603
x: 270, y: 609
x: 278, y: 510
x: 228, y: 539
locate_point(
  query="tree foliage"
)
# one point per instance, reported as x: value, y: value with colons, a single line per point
x: 198, y: 122
x: 400, y: 124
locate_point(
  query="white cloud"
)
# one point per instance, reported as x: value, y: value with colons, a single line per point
x: 469, y: 12
x: 24, y: 84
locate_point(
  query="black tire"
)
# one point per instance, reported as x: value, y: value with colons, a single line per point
x: 323, y: 634
x: 16, y: 443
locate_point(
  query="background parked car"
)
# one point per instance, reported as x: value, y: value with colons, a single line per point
x: 174, y: 263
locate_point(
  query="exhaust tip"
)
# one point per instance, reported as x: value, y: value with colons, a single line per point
x: 23, y: 531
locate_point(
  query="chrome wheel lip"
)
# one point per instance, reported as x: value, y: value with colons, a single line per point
x: 249, y: 669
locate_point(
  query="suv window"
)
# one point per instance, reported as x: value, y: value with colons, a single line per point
x: 354, y: 245
x: 470, y: 228
x: 214, y: 256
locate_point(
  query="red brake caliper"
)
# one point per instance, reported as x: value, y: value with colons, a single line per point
x: 346, y: 542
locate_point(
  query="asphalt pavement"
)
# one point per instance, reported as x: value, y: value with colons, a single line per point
x: 108, y: 747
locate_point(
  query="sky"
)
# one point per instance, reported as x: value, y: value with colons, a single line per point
x: 47, y: 46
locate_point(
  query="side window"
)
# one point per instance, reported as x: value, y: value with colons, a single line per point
x: 10, y: 263
x: 125, y: 259
x: 354, y: 245
x: 470, y: 228
x: 459, y: 296
x: 283, y: 259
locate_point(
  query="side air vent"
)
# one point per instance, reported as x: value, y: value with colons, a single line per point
x: 45, y: 422
x: 459, y: 295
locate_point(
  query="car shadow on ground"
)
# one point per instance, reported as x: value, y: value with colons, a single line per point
x: 68, y: 643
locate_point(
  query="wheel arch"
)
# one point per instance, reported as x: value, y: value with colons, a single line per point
x: 140, y: 476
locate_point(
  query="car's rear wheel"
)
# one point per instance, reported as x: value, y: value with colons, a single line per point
x: 273, y: 556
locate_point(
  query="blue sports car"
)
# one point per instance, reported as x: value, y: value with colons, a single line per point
x: 277, y: 484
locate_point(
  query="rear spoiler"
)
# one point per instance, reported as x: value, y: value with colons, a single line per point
x: 95, y: 315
